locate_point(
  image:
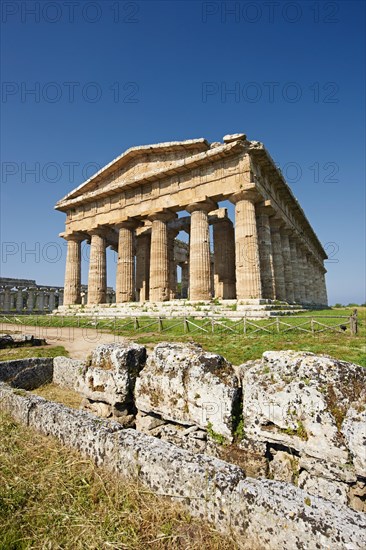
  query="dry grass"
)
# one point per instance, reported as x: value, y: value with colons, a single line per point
x: 53, y: 392
x: 51, y: 498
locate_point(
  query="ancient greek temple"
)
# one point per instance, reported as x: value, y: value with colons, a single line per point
x: 138, y: 204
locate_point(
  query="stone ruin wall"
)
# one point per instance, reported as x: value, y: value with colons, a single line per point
x: 293, y: 464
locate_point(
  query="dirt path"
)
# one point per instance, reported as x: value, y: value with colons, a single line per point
x: 79, y: 342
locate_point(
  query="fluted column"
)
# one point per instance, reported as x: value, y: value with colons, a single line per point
x: 302, y: 274
x: 159, y: 258
x: 323, y: 287
x: 172, y: 264
x: 185, y: 279
x: 266, y: 252
x: 295, y: 269
x: 97, y: 281
x: 247, y: 264
x: 143, y: 244
x: 51, y: 302
x: 19, y: 302
x: 73, y: 271
x: 287, y: 265
x: 125, y: 277
x: 224, y: 259
x: 278, y: 265
x: 40, y: 300
x: 199, y: 254
x: 30, y: 299
x: 7, y: 298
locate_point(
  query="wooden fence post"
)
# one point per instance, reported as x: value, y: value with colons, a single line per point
x: 353, y: 322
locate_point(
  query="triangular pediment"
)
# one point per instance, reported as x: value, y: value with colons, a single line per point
x: 138, y: 162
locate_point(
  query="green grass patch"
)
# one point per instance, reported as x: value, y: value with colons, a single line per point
x: 10, y: 354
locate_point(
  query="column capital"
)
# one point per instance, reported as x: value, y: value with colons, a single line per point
x: 75, y: 237
x: 206, y: 206
x: 266, y: 207
x: 276, y: 223
x: 249, y: 194
x: 128, y: 224
x: 163, y: 216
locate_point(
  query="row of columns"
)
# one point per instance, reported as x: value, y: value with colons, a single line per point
x: 262, y: 259
x: 29, y: 299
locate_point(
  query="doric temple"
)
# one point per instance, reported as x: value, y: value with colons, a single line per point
x: 132, y: 205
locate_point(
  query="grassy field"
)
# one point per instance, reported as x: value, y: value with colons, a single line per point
x: 51, y: 498
x: 236, y: 346
x: 9, y: 354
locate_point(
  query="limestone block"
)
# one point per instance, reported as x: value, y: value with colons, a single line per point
x: 257, y: 513
x: 324, y: 488
x: 112, y: 374
x: 304, y: 401
x: 284, y: 467
x: 66, y: 371
x: 354, y: 432
x: 186, y: 385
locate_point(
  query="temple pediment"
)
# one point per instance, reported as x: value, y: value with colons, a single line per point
x: 137, y: 162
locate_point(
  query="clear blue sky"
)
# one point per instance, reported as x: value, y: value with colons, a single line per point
x: 105, y: 79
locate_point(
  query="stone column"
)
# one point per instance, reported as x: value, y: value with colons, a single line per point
x: 302, y: 274
x: 247, y: 266
x: 266, y: 252
x: 185, y: 279
x: 199, y: 253
x: 159, y: 258
x: 224, y: 259
x: 323, y: 287
x: 97, y: 281
x: 19, y: 303
x: 61, y: 297
x: 295, y: 268
x: 7, y: 298
x: 1, y: 299
x: 30, y: 299
x: 278, y: 264
x: 40, y: 300
x: 51, y: 301
x: 287, y: 264
x: 125, y: 278
x: 73, y: 271
x: 143, y: 266
x: 172, y: 264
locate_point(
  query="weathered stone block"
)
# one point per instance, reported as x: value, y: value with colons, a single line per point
x: 306, y: 402
x: 66, y: 371
x: 112, y: 374
x: 184, y: 384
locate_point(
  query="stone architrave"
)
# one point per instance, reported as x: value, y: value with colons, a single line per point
x: 199, y: 251
x: 248, y: 280
x: 97, y: 282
